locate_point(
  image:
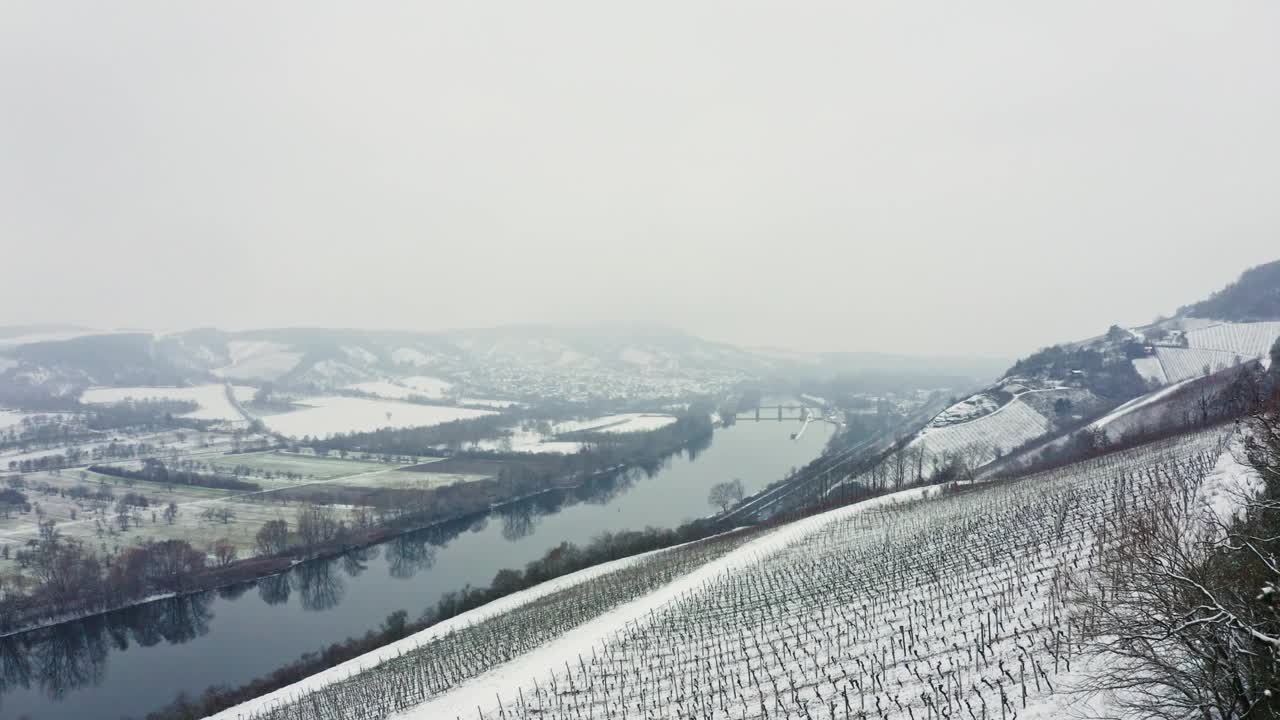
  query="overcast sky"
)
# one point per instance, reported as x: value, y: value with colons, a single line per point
x: 947, y: 177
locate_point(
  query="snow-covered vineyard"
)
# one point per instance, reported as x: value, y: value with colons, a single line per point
x: 1003, y: 430
x: 920, y: 605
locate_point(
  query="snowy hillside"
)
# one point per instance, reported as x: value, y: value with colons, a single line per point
x: 990, y: 435
x: 913, y: 605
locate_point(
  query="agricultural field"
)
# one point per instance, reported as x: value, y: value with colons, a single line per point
x: 922, y: 604
x: 1249, y: 340
x: 328, y: 415
x: 266, y: 465
x: 212, y: 399
x: 1005, y: 429
x: 86, y: 505
x: 1185, y: 363
x: 93, y: 517
x: 410, y: 479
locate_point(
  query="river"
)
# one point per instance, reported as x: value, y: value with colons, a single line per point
x: 131, y: 662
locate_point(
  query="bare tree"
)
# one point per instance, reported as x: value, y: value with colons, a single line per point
x: 725, y: 495
x: 223, y: 551
x: 317, y: 524
x: 1184, y: 605
x: 273, y: 537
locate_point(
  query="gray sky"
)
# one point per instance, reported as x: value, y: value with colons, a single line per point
x: 900, y: 176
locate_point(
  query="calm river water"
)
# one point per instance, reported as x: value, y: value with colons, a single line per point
x: 128, y: 663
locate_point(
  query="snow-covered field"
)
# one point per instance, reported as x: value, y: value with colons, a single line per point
x: 327, y: 415
x: 529, y: 441
x: 11, y: 418
x: 955, y: 605
x: 1185, y: 363
x: 1217, y: 346
x: 383, y: 388
x: 1251, y: 340
x: 1005, y: 429
x: 488, y: 402
x: 1150, y: 369
x: 418, y: 385
x: 623, y: 423
x: 428, y: 386
x: 212, y: 399
x: 258, y: 360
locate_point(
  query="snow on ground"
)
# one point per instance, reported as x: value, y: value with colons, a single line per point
x: 427, y: 386
x: 12, y: 418
x: 383, y: 388
x: 1250, y: 340
x: 359, y: 354
x: 327, y: 415
x: 623, y: 423
x: 1229, y: 485
x: 528, y: 441
x: 55, y: 336
x: 357, y: 665
x: 1185, y: 363
x: 1137, y: 404
x: 579, y: 642
x: 212, y: 399
x: 1150, y: 369
x: 409, y: 356
x: 258, y: 360
x: 872, y: 610
x: 488, y: 402
x: 1006, y: 428
x: 970, y: 408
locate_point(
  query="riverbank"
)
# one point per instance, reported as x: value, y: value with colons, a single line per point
x: 27, y: 614
x: 136, y: 660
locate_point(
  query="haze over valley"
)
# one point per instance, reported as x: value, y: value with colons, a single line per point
x: 729, y: 361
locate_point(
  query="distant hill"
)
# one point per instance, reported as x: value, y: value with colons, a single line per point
x: 1252, y: 298
x: 512, y: 362
x: 1072, y: 385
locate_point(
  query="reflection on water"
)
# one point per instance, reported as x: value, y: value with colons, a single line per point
x: 64, y: 657
x: 74, y: 654
x: 53, y: 662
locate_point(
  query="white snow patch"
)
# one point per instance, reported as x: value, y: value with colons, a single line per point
x: 528, y: 441
x: 623, y: 423
x: 385, y: 389
x: 1150, y: 369
x: 212, y: 399
x: 427, y: 386
x: 488, y: 402
x: 1229, y: 486
x: 359, y: 354
x: 258, y: 360
x: 327, y: 415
